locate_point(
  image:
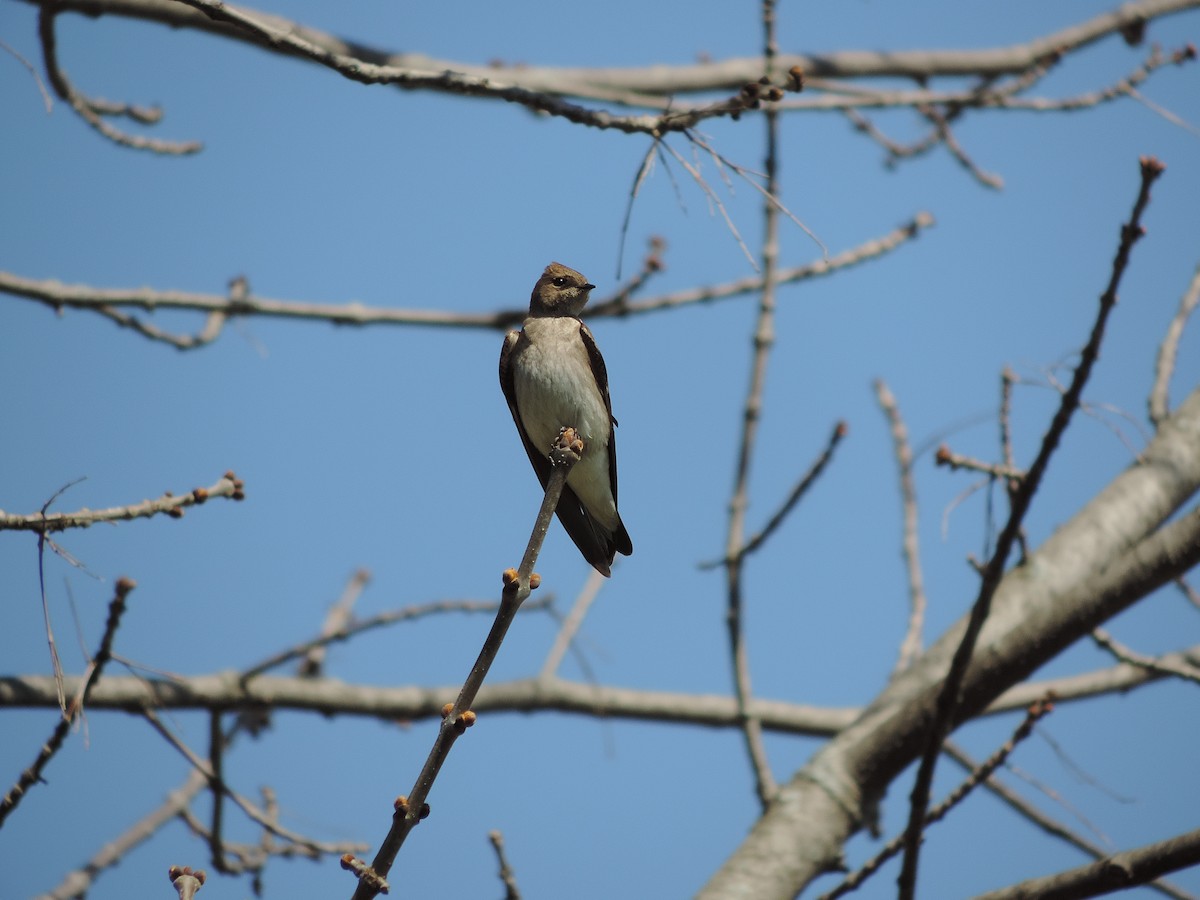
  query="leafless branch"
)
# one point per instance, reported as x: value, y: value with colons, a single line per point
x: 93, y: 111
x: 46, y: 523
x: 1047, y: 824
x: 946, y: 457
x: 33, y: 774
x: 807, y: 480
x: 58, y: 295
x: 253, y: 812
x: 1118, y: 871
x: 507, y: 878
x: 911, y: 645
x: 763, y: 339
x: 1167, y: 350
x: 571, y: 624
x: 1124, y: 654
x: 948, y: 696
x: 458, y: 716
x: 649, y: 86
x: 979, y: 775
x: 33, y: 73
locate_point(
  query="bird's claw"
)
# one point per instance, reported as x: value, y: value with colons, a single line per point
x: 569, y: 439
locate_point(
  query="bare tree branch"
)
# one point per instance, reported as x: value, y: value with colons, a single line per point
x: 458, y: 716
x: 735, y: 541
x: 1167, y: 350
x: 1050, y: 826
x: 1053, y: 599
x: 229, y: 486
x: 1159, y: 665
x: 977, y: 776
x: 1021, y: 498
x: 33, y: 774
x: 57, y: 295
x: 635, y: 84
x: 910, y: 647
x: 1119, y: 871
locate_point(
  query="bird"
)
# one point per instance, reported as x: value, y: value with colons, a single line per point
x: 553, y: 378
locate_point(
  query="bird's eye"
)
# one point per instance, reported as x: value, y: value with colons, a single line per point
x: 559, y: 282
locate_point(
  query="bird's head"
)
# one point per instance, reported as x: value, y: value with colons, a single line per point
x: 559, y: 292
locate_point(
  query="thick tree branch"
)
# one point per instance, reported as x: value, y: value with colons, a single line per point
x: 1040, y: 608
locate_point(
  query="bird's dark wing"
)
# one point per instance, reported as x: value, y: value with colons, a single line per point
x: 600, y: 373
x: 620, y: 540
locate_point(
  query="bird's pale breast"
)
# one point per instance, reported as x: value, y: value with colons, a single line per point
x: 555, y: 387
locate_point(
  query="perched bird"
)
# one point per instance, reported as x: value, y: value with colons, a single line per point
x: 553, y: 377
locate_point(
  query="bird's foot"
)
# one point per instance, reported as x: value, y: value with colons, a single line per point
x: 569, y: 439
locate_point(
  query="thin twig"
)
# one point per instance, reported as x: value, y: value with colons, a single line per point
x: 457, y: 718
x: 1193, y: 597
x: 33, y: 774
x: 79, y: 882
x: 380, y: 620
x: 941, y: 125
x: 216, y: 760
x: 978, y: 776
x: 339, y: 618
x: 807, y: 480
x: 1050, y: 826
x: 217, y: 785
x: 93, y: 112
x: 1127, y: 655
x: 1164, y: 366
x: 229, y: 486
x: 33, y: 73
x: 571, y: 624
x: 507, y: 878
x: 1118, y: 871
x: 946, y: 457
x: 948, y: 697
x: 910, y: 647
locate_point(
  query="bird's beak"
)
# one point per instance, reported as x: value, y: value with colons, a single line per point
x: 589, y: 287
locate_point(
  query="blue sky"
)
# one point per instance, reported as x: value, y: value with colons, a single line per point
x: 392, y: 448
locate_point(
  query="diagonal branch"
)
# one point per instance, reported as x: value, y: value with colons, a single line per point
x: 458, y: 716
x: 1118, y: 871
x: 948, y: 697
x: 33, y: 775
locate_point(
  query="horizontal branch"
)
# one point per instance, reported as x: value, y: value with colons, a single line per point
x: 657, y: 81
x: 229, y: 486
x: 228, y: 692
x: 79, y: 296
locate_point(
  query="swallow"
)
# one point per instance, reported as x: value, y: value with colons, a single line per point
x: 554, y: 377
